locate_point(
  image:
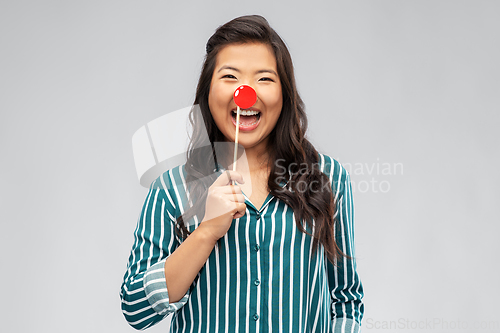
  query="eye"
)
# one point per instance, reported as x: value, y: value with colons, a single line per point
x: 266, y: 79
x: 229, y: 76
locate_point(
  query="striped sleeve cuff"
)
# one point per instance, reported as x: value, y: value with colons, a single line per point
x: 345, y: 325
x: 155, y: 287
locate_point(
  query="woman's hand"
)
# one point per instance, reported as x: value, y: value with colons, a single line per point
x: 225, y: 202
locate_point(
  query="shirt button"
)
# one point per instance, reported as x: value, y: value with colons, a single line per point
x: 256, y: 247
x: 256, y: 282
x: 258, y: 216
x: 255, y: 317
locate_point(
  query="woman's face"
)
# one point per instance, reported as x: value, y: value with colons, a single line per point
x: 252, y: 64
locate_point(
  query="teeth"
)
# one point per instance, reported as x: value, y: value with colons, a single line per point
x: 249, y: 124
x: 247, y: 112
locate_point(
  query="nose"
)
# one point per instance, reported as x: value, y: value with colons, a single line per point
x: 245, y: 96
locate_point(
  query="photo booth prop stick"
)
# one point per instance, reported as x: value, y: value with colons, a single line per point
x: 244, y: 97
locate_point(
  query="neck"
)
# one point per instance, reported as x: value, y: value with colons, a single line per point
x: 254, y: 160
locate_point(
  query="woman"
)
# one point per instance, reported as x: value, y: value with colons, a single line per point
x: 273, y: 253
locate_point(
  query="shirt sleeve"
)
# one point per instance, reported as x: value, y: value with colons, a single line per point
x: 144, y: 295
x: 346, y: 289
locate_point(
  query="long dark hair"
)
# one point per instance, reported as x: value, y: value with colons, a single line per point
x: 287, y: 142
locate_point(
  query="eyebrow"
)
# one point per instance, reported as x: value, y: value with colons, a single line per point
x: 237, y: 70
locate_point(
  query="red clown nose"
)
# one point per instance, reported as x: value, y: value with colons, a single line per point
x: 245, y: 96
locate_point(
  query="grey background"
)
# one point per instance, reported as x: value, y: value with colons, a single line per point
x: 410, y: 87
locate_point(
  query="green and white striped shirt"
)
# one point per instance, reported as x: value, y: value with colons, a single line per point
x: 261, y: 276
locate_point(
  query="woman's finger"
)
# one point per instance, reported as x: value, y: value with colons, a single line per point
x: 236, y: 198
x: 230, y: 189
x: 226, y: 177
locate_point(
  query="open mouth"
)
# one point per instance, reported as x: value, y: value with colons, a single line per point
x: 247, y: 117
